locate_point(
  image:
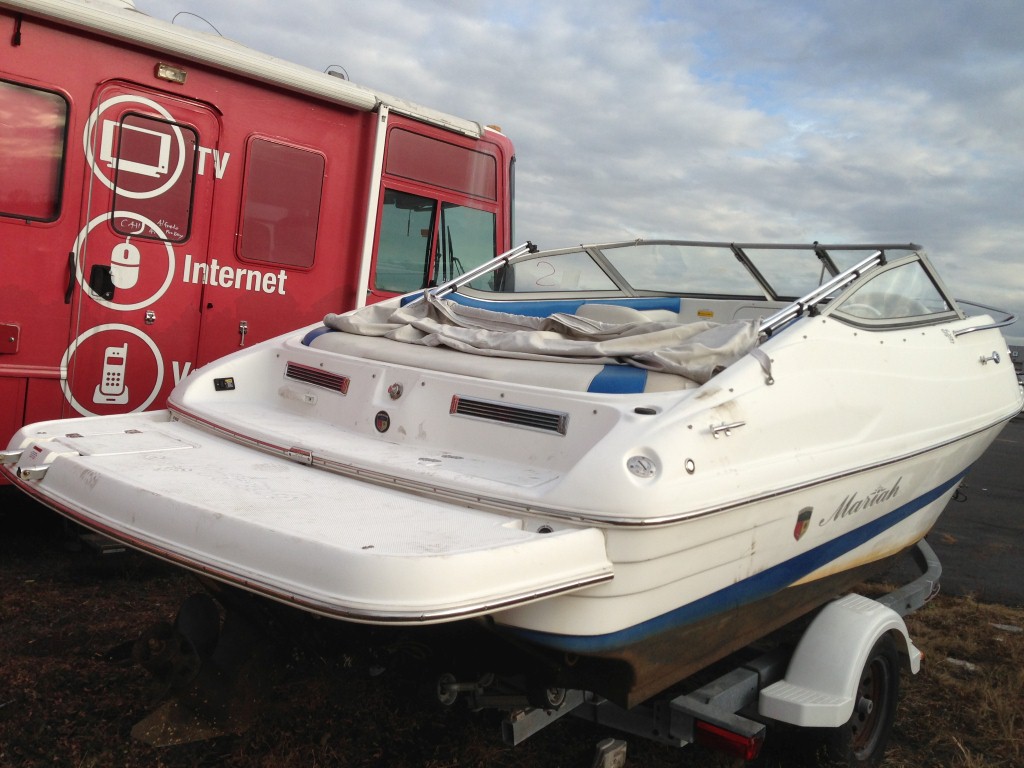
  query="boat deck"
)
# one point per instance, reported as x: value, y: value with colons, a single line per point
x: 329, y: 543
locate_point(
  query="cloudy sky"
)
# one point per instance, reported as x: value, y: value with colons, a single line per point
x: 794, y: 120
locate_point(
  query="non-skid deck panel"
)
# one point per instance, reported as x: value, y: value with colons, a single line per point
x: 489, y: 472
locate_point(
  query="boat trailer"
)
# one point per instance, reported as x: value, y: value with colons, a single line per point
x: 211, y: 676
x: 804, y: 686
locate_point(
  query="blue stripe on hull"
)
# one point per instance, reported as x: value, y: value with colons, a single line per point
x: 756, y: 587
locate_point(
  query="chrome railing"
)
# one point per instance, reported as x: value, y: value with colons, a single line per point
x: 501, y: 260
x: 1008, y: 318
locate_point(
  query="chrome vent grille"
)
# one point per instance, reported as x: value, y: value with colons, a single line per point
x: 512, y: 415
x: 317, y: 377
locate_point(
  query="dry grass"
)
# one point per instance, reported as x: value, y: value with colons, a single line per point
x: 966, y: 707
x: 331, y: 705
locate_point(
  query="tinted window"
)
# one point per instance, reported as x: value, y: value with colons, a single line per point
x: 403, y: 253
x: 32, y: 146
x: 465, y: 240
x: 141, y: 148
x: 441, y: 164
x: 281, y: 208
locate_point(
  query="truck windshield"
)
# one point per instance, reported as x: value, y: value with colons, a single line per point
x: 409, y: 257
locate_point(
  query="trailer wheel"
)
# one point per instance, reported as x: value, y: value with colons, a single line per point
x: 862, y: 740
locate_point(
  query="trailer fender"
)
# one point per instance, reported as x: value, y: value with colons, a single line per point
x: 822, y: 678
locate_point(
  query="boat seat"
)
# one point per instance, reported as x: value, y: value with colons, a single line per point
x: 579, y: 377
x: 618, y: 313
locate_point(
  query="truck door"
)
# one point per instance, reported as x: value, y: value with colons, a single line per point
x: 152, y: 163
x: 35, y: 234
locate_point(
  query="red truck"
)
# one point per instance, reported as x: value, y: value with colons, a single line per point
x: 167, y: 196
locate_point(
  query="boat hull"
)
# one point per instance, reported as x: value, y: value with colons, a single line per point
x: 632, y: 674
x: 631, y: 665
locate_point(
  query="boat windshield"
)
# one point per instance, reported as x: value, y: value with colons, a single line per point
x: 902, y: 292
x: 684, y: 268
x: 876, y: 287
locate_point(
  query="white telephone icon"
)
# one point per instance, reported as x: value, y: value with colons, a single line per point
x: 112, y: 389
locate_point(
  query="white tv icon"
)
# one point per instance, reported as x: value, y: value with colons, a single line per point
x: 157, y: 149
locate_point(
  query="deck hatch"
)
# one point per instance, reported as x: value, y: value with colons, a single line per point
x: 317, y: 377
x: 512, y: 415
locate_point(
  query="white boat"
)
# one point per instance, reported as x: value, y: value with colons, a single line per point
x: 627, y: 459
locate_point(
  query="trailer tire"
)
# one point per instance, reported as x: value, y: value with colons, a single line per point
x: 861, y: 741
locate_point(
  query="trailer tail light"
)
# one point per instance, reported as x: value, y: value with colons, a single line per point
x: 732, y: 744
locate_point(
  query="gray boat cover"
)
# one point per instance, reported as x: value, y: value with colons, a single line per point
x: 597, y: 334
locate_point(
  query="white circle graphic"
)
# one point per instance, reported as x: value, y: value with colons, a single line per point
x: 100, y: 329
x: 90, y: 129
x: 80, y: 275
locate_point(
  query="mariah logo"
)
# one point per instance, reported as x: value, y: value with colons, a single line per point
x: 803, y: 522
x: 853, y: 504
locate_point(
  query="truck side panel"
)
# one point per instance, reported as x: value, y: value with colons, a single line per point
x: 166, y: 212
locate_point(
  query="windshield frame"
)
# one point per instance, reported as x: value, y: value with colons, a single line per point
x: 747, y: 258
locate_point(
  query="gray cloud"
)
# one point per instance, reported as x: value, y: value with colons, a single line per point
x: 838, y: 120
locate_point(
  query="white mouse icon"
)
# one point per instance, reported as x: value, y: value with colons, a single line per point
x: 124, y: 265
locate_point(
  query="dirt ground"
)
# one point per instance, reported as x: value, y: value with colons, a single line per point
x: 69, y: 696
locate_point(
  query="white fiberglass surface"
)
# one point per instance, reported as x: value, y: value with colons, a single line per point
x: 316, y: 536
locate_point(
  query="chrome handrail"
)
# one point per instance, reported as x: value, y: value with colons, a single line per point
x: 1008, y: 318
x: 503, y: 259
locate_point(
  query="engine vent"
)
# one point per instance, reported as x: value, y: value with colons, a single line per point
x: 317, y: 377
x: 513, y: 415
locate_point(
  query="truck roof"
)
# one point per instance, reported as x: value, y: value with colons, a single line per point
x: 120, y: 20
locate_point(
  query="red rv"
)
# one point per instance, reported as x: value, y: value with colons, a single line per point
x: 167, y: 196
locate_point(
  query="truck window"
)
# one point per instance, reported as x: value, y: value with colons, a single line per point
x: 281, y: 204
x: 441, y: 164
x: 439, y: 213
x: 405, y: 226
x: 463, y: 234
x: 33, y: 140
x: 144, y: 151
